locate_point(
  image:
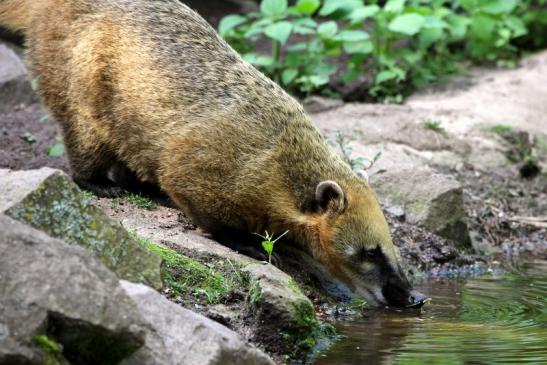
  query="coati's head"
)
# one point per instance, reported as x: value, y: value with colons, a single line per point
x: 355, y: 244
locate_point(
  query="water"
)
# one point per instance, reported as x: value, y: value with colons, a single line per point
x: 487, y: 320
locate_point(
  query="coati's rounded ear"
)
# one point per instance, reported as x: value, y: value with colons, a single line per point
x: 362, y: 174
x: 330, y: 196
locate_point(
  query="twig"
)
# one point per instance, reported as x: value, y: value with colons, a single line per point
x: 539, y: 222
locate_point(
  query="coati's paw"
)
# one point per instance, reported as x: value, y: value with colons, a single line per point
x: 101, y: 189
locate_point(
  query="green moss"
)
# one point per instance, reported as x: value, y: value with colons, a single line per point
x: 304, y: 326
x: 187, y: 277
x: 501, y: 129
x: 58, y: 208
x: 255, y: 293
x: 52, y: 349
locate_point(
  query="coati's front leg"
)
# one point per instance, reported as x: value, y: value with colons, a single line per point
x: 92, y: 175
x: 107, y: 177
x: 90, y: 162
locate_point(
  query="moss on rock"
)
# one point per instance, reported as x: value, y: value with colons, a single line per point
x: 285, y: 317
x: 185, y: 277
x: 49, y: 201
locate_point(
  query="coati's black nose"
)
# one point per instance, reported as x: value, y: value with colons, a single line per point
x: 416, y: 299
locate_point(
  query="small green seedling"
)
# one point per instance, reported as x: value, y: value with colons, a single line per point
x: 141, y: 201
x: 358, y: 163
x: 269, y: 242
x: 432, y: 124
x: 501, y: 129
x: 58, y: 149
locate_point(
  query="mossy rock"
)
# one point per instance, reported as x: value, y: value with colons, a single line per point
x: 285, y: 317
x: 48, y: 200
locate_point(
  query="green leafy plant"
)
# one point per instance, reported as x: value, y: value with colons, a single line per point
x: 434, y: 125
x: 269, y: 242
x: 58, y: 149
x: 52, y: 349
x: 141, y: 201
x: 393, y: 47
x: 358, y: 163
x: 501, y: 129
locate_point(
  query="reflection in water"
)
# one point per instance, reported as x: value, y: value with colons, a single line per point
x: 479, y: 321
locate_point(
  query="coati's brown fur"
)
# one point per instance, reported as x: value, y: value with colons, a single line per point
x: 149, y: 85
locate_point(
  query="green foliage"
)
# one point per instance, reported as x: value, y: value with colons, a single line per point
x: 141, y: 201
x: 400, y: 44
x: 501, y: 129
x: 193, y: 280
x: 52, y: 349
x: 434, y: 125
x: 58, y: 149
x: 269, y: 242
x: 358, y: 163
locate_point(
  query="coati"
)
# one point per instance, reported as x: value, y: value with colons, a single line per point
x: 148, y: 87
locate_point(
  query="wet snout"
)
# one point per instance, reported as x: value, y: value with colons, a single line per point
x: 398, y: 293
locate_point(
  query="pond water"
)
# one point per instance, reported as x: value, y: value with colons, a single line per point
x: 488, y: 320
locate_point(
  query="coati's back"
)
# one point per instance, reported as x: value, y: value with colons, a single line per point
x: 138, y: 73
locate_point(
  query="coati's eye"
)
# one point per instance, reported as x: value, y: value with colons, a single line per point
x: 369, y: 255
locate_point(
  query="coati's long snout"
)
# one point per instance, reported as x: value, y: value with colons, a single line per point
x: 150, y: 86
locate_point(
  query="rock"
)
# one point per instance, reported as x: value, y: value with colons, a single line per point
x: 180, y: 336
x: 397, y: 212
x: 15, y: 87
x: 59, y: 303
x: 282, y: 295
x: 284, y: 316
x: 48, y: 200
x: 429, y: 198
x: 316, y: 104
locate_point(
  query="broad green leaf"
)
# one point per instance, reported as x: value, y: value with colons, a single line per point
x: 230, y: 22
x: 268, y: 246
x: 259, y: 60
x: 305, y: 22
x: 352, y: 36
x: 458, y: 25
x: 307, y: 7
x: 279, y: 31
x: 327, y: 29
x: 332, y: 6
x: 360, y: 14
x: 394, y: 6
x: 289, y: 75
x: 496, y: 7
x: 362, y: 47
x: 408, y: 24
x: 434, y: 22
x: 517, y: 26
x: 429, y: 36
x: 482, y: 26
x: 384, y: 76
x: 57, y: 150
x: 273, y: 8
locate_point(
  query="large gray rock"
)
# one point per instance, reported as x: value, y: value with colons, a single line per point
x: 48, y: 200
x: 179, y: 336
x: 15, y: 88
x: 284, y: 316
x: 428, y: 198
x: 58, y: 302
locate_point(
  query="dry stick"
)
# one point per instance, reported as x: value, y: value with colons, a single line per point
x: 539, y: 222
